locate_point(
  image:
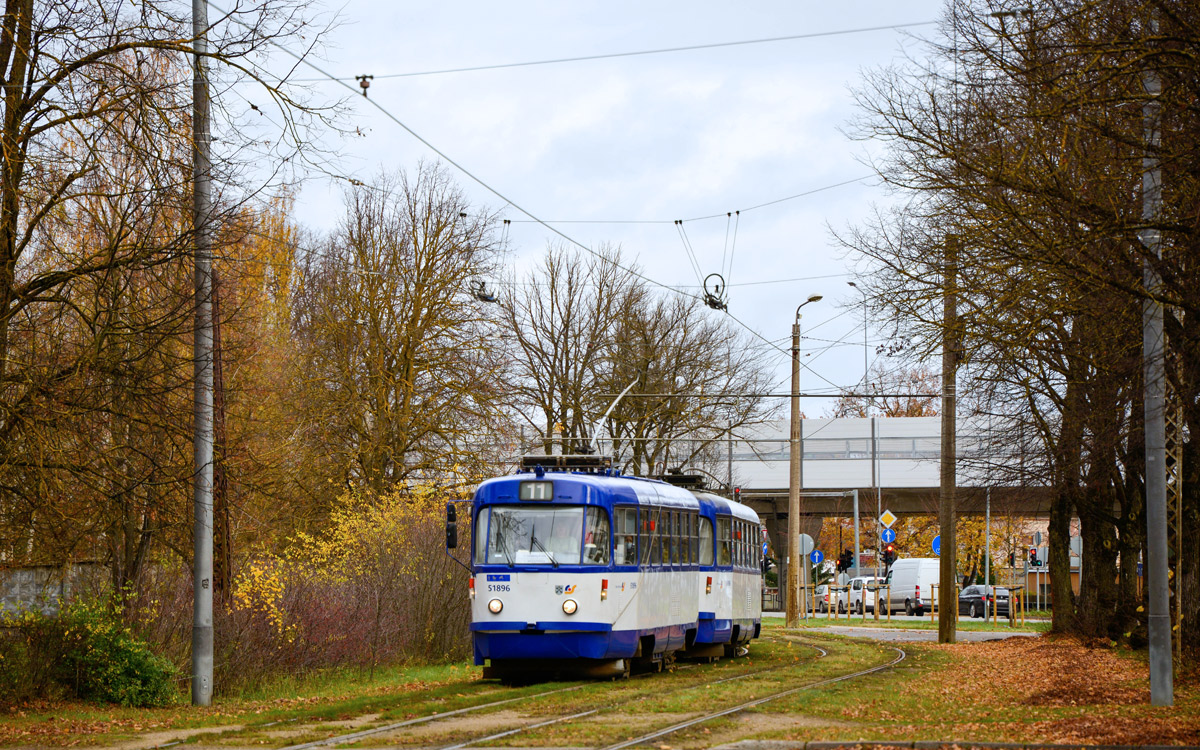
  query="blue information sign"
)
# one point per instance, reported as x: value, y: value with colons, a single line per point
x: 889, y: 536
x: 816, y: 556
x: 764, y: 548
x: 937, y: 545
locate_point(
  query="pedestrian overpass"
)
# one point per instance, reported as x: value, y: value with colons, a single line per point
x: 893, y: 464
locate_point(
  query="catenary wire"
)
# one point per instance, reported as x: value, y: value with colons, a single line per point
x: 635, y: 53
x: 823, y: 188
x: 478, y: 180
x: 387, y: 113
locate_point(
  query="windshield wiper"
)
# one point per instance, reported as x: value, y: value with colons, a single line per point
x: 504, y: 549
x: 534, y: 540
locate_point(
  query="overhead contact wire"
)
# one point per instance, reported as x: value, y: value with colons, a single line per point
x: 635, y: 53
x: 478, y: 180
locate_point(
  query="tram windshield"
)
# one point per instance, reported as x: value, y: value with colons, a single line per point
x: 523, y: 535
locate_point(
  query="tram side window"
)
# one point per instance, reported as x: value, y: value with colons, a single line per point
x: 674, y: 537
x: 739, y: 549
x: 706, y: 542
x: 685, y: 538
x: 666, y: 537
x: 724, y: 541
x: 695, y: 539
x: 596, y: 537
x: 667, y: 521
x: 645, y: 540
x: 625, y: 552
x: 481, y: 522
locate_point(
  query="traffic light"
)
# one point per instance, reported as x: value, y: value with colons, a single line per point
x: 1012, y: 559
x: 845, y: 560
x: 1034, y: 562
x: 889, y: 554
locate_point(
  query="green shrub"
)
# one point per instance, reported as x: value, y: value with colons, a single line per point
x: 86, y: 651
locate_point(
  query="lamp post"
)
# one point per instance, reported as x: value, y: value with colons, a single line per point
x: 796, y: 466
x: 866, y: 369
x: 874, y: 445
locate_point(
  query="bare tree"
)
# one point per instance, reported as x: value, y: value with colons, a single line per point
x: 562, y: 316
x: 397, y: 379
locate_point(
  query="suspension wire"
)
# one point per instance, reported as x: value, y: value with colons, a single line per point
x: 821, y: 189
x: 775, y: 346
x: 691, y: 253
x: 725, y: 249
x: 443, y: 155
x: 733, y: 248
x: 637, y: 53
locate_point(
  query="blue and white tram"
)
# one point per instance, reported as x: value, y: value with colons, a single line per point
x: 591, y: 572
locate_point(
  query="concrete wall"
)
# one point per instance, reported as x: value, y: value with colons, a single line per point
x: 44, y: 588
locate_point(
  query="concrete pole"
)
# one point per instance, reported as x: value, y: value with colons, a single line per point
x: 987, y: 550
x: 947, y: 588
x: 857, y: 571
x: 795, y: 476
x: 878, y: 501
x: 729, y: 458
x: 202, y: 488
x: 795, y: 479
x: 1154, y: 382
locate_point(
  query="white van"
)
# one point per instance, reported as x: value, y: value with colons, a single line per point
x: 859, y: 594
x: 912, y: 580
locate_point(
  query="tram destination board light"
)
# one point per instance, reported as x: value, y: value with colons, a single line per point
x: 536, y: 491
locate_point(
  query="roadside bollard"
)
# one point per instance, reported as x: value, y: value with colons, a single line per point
x: 888, y: 599
x: 933, y: 597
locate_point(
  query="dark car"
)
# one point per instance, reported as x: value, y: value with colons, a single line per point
x: 971, y: 600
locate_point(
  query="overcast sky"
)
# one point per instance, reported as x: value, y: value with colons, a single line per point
x: 645, y: 138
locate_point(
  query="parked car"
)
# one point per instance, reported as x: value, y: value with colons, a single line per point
x: 971, y: 600
x: 822, y: 597
x: 859, y: 594
x: 912, y: 580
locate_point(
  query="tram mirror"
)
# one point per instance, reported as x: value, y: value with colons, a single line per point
x: 451, y: 526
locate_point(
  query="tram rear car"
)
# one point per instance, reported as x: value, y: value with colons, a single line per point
x: 593, y: 573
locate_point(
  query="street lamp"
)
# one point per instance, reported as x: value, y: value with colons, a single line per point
x: 796, y: 464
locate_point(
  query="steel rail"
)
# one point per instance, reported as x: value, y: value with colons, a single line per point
x: 750, y: 704
x: 681, y: 688
x: 343, y: 738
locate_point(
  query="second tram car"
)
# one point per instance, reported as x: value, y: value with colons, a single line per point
x: 593, y: 572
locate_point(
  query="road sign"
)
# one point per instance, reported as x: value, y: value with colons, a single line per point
x: 888, y: 518
x: 937, y: 545
x: 817, y: 556
x: 764, y: 548
x: 806, y: 544
x: 888, y: 536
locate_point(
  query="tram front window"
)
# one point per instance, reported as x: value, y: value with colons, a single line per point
x: 535, y: 536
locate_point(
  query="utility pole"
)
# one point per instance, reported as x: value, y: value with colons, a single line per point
x: 795, y: 479
x: 202, y: 488
x: 947, y: 581
x: 1154, y: 382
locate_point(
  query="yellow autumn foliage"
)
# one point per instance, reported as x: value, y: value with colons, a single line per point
x: 369, y: 535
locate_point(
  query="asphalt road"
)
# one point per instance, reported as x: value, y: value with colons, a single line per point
x: 844, y: 626
x: 915, y: 636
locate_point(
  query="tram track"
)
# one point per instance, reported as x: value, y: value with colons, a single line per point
x: 650, y: 737
x: 591, y: 712
x: 417, y: 721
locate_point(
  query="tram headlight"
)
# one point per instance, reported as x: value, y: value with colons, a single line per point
x: 494, y: 606
x: 569, y: 606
